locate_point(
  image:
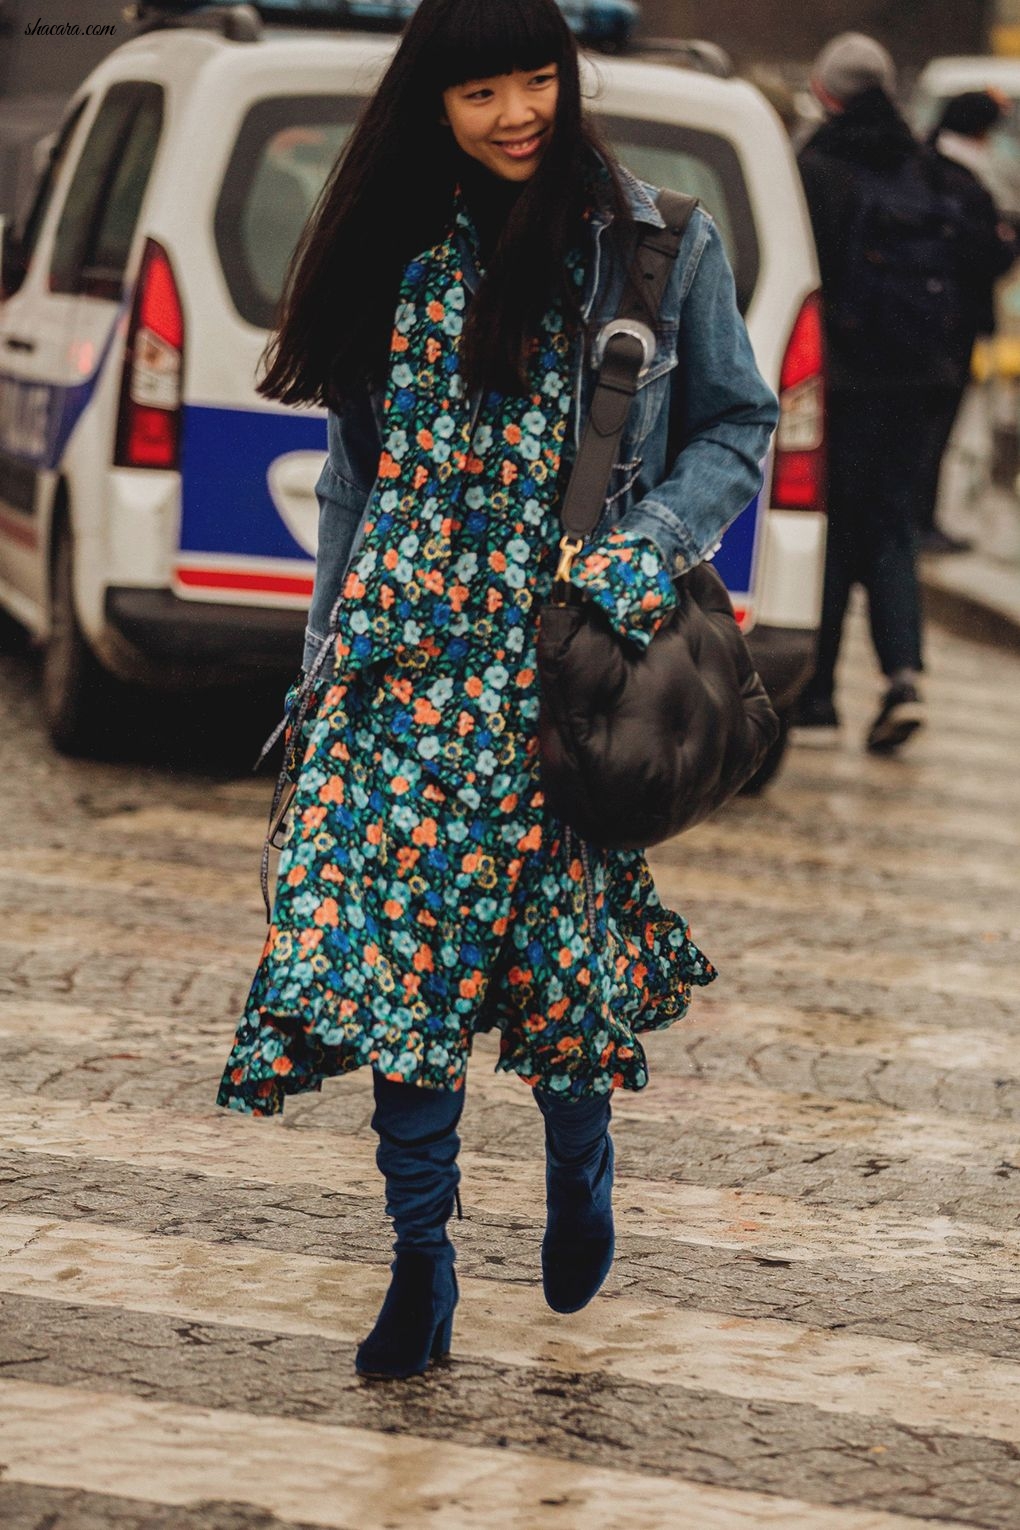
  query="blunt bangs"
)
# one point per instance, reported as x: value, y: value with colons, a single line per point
x: 477, y: 39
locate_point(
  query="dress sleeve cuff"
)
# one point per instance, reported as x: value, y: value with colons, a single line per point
x: 625, y: 576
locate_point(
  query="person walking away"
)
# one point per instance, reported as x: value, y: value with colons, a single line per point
x: 965, y: 132
x: 444, y: 304
x: 890, y: 279
x: 965, y: 168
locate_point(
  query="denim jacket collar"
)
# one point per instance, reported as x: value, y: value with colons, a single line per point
x: 641, y: 200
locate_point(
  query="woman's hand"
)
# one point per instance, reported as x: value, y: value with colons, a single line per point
x: 625, y: 575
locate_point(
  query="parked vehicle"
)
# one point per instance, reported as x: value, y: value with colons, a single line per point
x: 607, y: 24
x: 158, y: 519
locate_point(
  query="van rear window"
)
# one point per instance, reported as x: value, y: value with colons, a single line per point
x: 287, y: 147
x: 284, y: 153
x: 703, y: 165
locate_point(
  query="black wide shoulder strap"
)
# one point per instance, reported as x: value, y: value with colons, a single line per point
x: 655, y: 255
x: 627, y: 344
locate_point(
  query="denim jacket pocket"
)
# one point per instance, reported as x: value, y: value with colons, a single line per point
x: 652, y: 394
x: 619, y: 494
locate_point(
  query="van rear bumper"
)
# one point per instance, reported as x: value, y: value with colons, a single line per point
x: 784, y: 658
x: 213, y: 641
x: 220, y: 642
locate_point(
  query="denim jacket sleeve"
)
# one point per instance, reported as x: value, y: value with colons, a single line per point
x: 344, y: 488
x: 727, y: 416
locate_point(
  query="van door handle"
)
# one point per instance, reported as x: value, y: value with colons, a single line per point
x: 16, y: 343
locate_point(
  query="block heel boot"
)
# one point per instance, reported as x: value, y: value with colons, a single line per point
x: 579, y: 1242
x: 417, y: 1156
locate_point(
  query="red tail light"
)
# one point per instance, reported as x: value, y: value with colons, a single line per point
x: 149, y: 418
x: 798, y: 481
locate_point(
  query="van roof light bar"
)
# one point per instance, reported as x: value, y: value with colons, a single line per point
x: 234, y: 19
x: 606, y: 24
x: 695, y: 53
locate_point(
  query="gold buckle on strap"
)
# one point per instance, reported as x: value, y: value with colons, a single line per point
x: 569, y: 549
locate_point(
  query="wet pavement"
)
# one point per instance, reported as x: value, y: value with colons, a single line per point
x: 814, y: 1318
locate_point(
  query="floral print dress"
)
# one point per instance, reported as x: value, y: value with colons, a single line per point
x: 424, y: 893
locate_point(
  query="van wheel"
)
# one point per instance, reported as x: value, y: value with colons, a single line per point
x: 772, y: 761
x: 75, y: 688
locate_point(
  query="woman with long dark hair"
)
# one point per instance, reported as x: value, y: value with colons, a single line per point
x: 444, y: 305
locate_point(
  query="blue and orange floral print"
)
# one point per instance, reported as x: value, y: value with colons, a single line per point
x: 626, y: 577
x: 424, y: 893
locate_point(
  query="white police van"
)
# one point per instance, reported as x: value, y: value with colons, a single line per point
x: 605, y: 24
x: 157, y: 517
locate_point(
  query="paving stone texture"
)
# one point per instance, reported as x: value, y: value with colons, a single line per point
x: 814, y: 1316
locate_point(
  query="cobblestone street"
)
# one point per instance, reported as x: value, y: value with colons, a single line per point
x: 813, y: 1322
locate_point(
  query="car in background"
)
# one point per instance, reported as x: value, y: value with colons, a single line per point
x: 158, y: 518
x: 943, y: 78
x: 605, y: 24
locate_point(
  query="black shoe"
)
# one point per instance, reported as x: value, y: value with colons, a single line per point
x: 579, y: 1242
x: 936, y: 543
x: 417, y: 1154
x: 415, y: 1325
x: 814, y: 720
x: 901, y: 714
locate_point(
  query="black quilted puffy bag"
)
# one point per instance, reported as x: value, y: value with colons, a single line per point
x: 638, y: 745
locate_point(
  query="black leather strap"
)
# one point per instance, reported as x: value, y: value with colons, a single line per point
x: 622, y: 360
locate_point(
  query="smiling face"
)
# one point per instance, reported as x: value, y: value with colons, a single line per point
x: 505, y: 122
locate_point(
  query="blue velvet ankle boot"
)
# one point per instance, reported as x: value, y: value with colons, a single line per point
x: 577, y: 1251
x: 417, y: 1155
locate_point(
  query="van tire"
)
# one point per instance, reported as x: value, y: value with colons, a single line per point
x: 769, y: 766
x: 76, y: 690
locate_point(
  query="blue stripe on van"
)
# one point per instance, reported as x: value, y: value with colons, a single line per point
x: 735, y: 558
x: 226, y: 454
x: 226, y: 506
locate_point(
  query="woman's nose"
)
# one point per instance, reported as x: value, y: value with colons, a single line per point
x: 517, y: 110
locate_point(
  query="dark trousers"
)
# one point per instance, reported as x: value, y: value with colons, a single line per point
x: 937, y: 426
x: 419, y: 1144
x: 875, y: 484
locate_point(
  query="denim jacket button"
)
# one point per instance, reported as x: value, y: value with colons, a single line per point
x: 679, y: 563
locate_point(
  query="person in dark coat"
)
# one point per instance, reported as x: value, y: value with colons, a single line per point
x: 862, y: 152
x: 964, y: 132
x: 959, y: 143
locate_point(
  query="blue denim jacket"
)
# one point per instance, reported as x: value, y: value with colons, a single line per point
x: 728, y: 415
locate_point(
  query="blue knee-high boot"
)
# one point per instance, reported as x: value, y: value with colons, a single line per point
x: 417, y: 1155
x: 577, y: 1251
